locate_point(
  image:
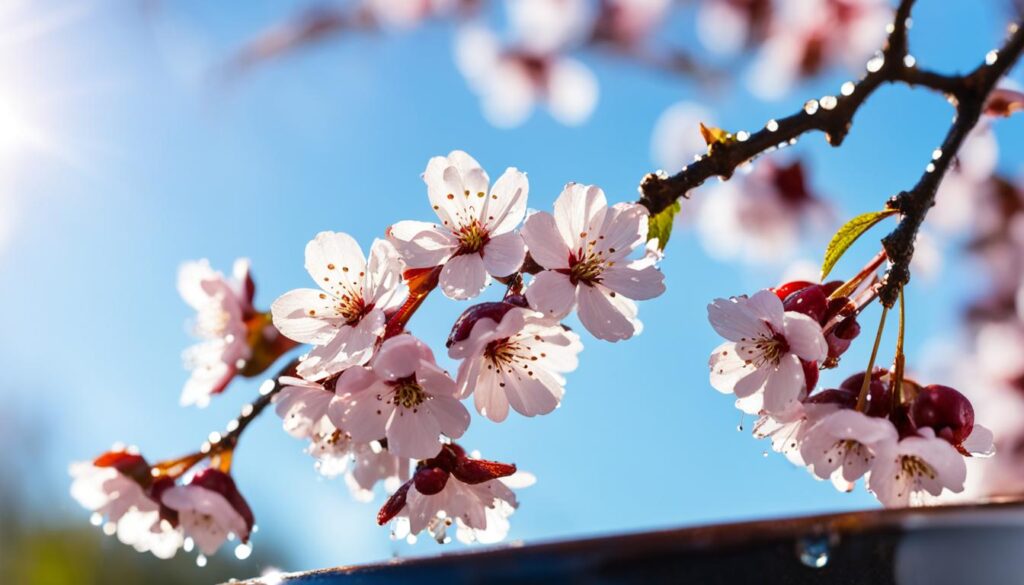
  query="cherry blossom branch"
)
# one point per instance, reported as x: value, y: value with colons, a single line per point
x: 250, y: 411
x: 834, y: 117
x: 914, y: 205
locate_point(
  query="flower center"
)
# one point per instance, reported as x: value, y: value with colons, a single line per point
x: 352, y: 308
x: 771, y: 349
x: 586, y: 270
x: 500, y: 351
x: 408, y: 393
x: 472, y: 238
x: 915, y: 468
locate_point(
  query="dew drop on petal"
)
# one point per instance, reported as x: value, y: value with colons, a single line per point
x: 243, y: 551
x: 813, y: 551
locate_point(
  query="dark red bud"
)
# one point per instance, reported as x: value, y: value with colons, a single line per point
x: 474, y: 471
x: 784, y: 290
x: 901, y: 419
x: 841, y: 337
x: 831, y: 287
x: 879, y: 399
x: 430, y: 480
x: 131, y: 465
x: 810, y: 301
x: 464, y: 324
x: 810, y: 374
x: 217, y: 481
x: 393, y: 505
x: 839, y: 396
x: 835, y: 307
x: 948, y: 412
x: 156, y: 492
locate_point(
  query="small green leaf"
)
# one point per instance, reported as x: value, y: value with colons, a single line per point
x: 659, y: 225
x: 848, y: 234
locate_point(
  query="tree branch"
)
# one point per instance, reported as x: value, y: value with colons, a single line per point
x: 659, y: 191
x: 974, y: 89
x: 250, y: 411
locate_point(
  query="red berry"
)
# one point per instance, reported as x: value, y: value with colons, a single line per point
x: 945, y: 410
x: 831, y: 286
x: 810, y: 374
x: 841, y: 336
x: 810, y: 301
x: 840, y: 396
x: 879, y: 400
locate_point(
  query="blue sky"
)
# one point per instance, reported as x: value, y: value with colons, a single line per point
x: 151, y: 164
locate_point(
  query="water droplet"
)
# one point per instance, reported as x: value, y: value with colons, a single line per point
x: 233, y: 425
x: 255, y: 528
x: 739, y: 427
x: 96, y: 519
x: 1012, y: 28
x: 247, y: 410
x: 188, y: 544
x: 847, y: 88
x: 765, y: 452
x: 813, y: 551
x: 201, y: 561
x: 991, y: 57
x: 937, y: 154
x: 266, y: 387
x: 909, y: 61
x: 772, y: 125
x: 890, y: 27
x: 205, y: 448
x: 109, y: 528
x: 930, y: 168
x: 792, y: 141
x: 875, y: 63
x: 697, y: 157
x: 214, y: 437
x: 742, y: 136
x: 811, y: 107
x: 243, y: 551
x: 829, y: 102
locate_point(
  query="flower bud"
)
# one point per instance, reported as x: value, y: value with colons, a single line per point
x: 810, y: 301
x: 493, y: 311
x: 217, y: 481
x: 430, y: 480
x: 784, y: 290
x: 879, y: 399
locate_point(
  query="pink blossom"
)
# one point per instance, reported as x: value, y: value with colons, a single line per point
x: 584, y: 249
x: 759, y: 217
x: 406, y: 14
x: 476, y: 238
x: 806, y: 37
x: 517, y: 359
x: 222, y: 307
x: 846, y: 444
x: 764, y: 349
x: 511, y: 81
x: 210, y: 508
x: 919, y: 469
x: 343, y: 320
x: 402, y: 396
x: 115, y: 487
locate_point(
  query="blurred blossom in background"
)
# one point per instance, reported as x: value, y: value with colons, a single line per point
x: 137, y: 135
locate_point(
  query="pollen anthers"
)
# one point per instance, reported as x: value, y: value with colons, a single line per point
x: 472, y: 237
x: 408, y: 393
x: 509, y: 354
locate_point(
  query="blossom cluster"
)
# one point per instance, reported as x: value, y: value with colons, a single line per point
x: 368, y: 397
x: 908, y: 441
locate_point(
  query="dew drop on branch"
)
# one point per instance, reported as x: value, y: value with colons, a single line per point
x: 991, y: 57
x: 847, y: 88
x: 829, y: 102
x: 811, y: 107
x: 909, y: 61
x: 875, y: 63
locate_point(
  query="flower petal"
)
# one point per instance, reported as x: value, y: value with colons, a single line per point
x: 635, y: 283
x: 422, y: 244
x: 545, y: 241
x: 336, y: 263
x: 579, y: 212
x: 307, y: 316
x: 505, y: 206
x: 606, y: 315
x: 552, y: 294
x: 804, y: 337
x: 464, y: 277
x: 784, y: 385
x: 504, y: 254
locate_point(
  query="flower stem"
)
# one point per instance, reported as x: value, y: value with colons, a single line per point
x: 862, y: 399
x: 900, y: 360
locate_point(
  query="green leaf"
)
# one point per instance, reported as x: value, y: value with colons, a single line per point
x: 659, y: 225
x: 848, y: 234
